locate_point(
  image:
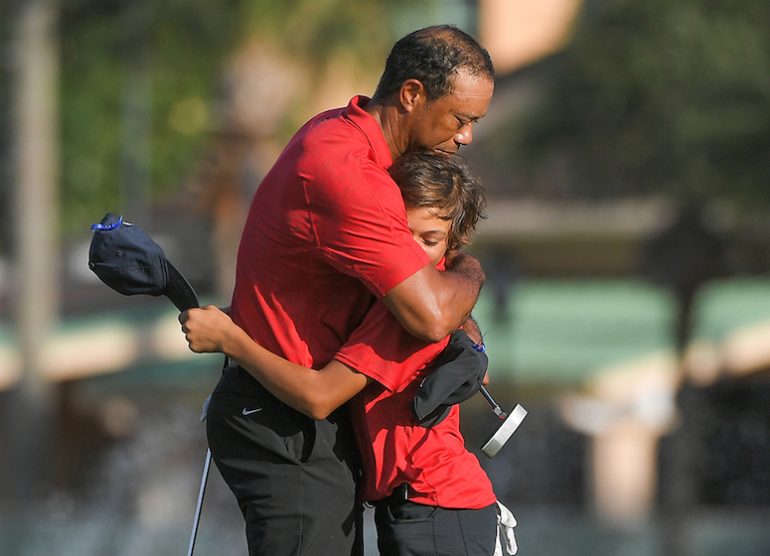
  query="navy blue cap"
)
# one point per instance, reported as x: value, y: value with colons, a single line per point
x: 124, y: 257
x: 456, y: 375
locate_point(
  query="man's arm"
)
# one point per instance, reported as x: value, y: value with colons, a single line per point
x: 363, y: 232
x: 431, y: 304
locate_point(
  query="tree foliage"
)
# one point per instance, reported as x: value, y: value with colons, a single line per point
x: 660, y: 96
x: 140, y: 81
x: 142, y: 66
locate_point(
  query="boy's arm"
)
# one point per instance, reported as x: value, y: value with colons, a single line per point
x: 316, y: 393
x: 379, y: 347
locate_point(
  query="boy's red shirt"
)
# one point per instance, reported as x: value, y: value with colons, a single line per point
x: 432, y: 461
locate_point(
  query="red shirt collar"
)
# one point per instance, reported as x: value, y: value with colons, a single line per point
x: 358, y: 116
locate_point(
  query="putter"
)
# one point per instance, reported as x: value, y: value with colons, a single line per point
x: 510, y: 421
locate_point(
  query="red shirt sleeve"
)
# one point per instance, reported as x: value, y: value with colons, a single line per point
x: 381, y: 349
x: 359, y: 222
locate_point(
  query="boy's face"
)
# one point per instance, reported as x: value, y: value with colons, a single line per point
x: 429, y: 230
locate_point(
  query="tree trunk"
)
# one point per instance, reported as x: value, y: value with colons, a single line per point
x: 28, y: 419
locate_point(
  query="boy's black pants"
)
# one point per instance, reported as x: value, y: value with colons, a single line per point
x: 408, y: 529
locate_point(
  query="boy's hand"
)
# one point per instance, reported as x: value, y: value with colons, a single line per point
x: 207, y: 329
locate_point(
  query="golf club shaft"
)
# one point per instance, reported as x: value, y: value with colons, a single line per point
x: 495, y: 406
x: 201, y: 493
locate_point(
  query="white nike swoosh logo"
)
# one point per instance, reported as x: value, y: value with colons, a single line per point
x: 250, y: 411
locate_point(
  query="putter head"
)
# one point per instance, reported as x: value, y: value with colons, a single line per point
x: 504, y: 432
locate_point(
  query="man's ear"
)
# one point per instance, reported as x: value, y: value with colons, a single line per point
x: 412, y: 94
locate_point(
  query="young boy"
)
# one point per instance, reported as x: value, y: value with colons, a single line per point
x: 431, y: 495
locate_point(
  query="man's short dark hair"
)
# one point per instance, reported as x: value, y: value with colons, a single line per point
x: 433, y: 55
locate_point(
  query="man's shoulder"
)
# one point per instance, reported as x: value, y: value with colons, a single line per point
x: 348, y: 130
x: 333, y: 146
x: 327, y: 116
x: 332, y: 129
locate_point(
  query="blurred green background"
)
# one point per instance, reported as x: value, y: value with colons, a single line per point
x: 626, y: 157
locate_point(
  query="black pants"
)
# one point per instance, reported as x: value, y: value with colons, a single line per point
x: 408, y: 529
x: 294, y: 478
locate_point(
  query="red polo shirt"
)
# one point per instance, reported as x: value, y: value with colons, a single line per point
x: 325, y: 234
x: 395, y: 450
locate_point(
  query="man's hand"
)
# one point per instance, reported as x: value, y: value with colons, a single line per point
x: 471, y: 328
x: 467, y: 265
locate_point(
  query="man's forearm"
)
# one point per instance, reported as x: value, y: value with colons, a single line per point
x: 432, y: 304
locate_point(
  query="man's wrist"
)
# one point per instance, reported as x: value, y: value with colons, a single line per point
x: 471, y: 328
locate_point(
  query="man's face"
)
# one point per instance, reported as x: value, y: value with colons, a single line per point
x: 442, y: 125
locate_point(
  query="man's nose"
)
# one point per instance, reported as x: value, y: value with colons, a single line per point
x: 465, y: 135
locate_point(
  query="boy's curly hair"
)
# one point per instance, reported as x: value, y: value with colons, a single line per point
x: 444, y: 185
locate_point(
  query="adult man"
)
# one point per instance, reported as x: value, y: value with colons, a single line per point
x: 326, y: 235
